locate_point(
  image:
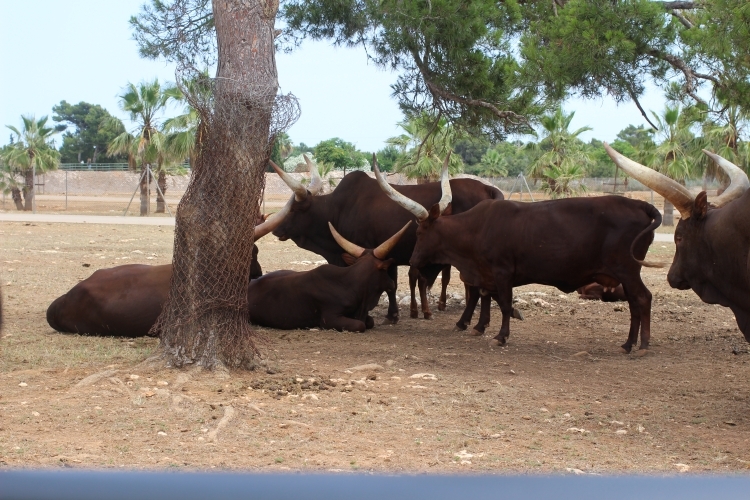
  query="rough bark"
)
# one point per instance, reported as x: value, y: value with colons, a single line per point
x: 160, y: 203
x: 28, y: 190
x: 16, y: 195
x: 145, y: 195
x: 205, y: 318
x: 668, y: 219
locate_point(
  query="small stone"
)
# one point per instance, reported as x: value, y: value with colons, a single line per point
x: 544, y: 410
x: 578, y: 430
x: 619, y: 308
x: 526, y: 417
x: 424, y: 376
x: 512, y: 372
x: 134, y: 377
x: 22, y: 384
x: 35, y: 413
x: 581, y: 354
x: 366, y: 367
x: 577, y: 472
x: 682, y: 467
x: 621, y: 432
x: 616, y: 422
x: 640, y: 428
x: 162, y: 382
x: 161, y: 433
x: 390, y: 362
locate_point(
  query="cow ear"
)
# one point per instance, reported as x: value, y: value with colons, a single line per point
x: 348, y: 259
x: 700, y: 206
x: 385, y: 264
x: 448, y: 210
x: 434, y: 212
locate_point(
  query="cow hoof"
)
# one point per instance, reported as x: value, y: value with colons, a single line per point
x: 390, y: 321
x: 475, y: 333
x: 441, y: 306
x: 625, y: 349
x: 498, y: 342
x: 414, y: 314
x: 427, y: 315
x: 641, y: 352
x: 517, y: 314
x: 460, y: 327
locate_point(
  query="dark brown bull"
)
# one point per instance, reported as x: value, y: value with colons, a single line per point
x: 365, y: 216
x: 595, y: 291
x: 568, y: 243
x: 328, y: 296
x: 712, y: 241
x: 125, y: 301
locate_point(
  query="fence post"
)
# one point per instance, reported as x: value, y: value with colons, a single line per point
x: 66, y: 190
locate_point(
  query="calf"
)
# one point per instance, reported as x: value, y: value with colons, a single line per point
x: 566, y: 243
x: 329, y: 296
x: 595, y: 291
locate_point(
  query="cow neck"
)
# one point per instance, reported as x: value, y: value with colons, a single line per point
x: 317, y: 237
x: 458, y: 234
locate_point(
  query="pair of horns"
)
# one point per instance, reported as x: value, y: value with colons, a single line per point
x: 675, y: 192
x: 412, y: 206
x: 382, y: 250
x: 300, y: 191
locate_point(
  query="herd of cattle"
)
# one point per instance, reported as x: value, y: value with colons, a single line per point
x: 365, y: 229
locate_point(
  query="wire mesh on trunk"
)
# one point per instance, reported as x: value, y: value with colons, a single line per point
x: 205, y: 319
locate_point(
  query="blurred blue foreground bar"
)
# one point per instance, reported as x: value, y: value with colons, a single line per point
x: 100, y: 485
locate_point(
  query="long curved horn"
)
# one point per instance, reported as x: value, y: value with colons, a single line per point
x: 274, y: 221
x: 412, y: 206
x: 316, y: 183
x: 670, y: 189
x: 738, y: 182
x: 382, y: 251
x: 300, y: 191
x: 348, y: 246
x: 445, y: 185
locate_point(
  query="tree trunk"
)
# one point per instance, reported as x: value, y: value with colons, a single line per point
x: 160, y: 204
x: 668, y: 219
x: 28, y: 190
x: 145, y: 195
x: 205, y: 318
x: 16, y: 195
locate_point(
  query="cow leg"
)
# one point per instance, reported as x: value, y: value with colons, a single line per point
x: 472, y: 297
x: 484, y: 313
x: 335, y: 321
x: 369, y: 322
x: 413, y: 280
x: 444, y: 291
x: 392, y: 317
x: 505, y: 301
x: 422, y: 282
x: 639, y: 300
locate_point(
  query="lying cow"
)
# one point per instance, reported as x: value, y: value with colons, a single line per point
x: 712, y: 239
x: 567, y: 243
x: 125, y: 301
x: 329, y: 296
x: 595, y: 291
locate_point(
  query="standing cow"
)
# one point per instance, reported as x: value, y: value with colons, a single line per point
x: 567, y: 243
x: 365, y: 216
x: 328, y: 296
x: 712, y: 240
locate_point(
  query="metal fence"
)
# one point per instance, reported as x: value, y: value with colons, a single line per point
x: 118, y: 167
x: 85, y: 485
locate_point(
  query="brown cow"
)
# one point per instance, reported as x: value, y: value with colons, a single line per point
x: 566, y: 243
x: 125, y: 301
x: 360, y: 211
x: 328, y: 296
x: 712, y: 241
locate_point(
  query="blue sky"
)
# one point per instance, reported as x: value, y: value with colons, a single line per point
x: 81, y: 50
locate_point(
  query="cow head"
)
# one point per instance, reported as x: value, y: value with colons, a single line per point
x: 373, y: 259
x: 296, y: 225
x: 428, y: 240
x: 693, y: 248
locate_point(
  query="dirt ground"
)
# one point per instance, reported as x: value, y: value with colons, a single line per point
x: 415, y: 397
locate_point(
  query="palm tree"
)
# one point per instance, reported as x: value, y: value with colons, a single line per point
x: 564, y: 157
x: 493, y: 164
x: 426, y: 141
x: 675, y: 154
x: 146, y: 145
x: 31, y: 153
x: 724, y: 139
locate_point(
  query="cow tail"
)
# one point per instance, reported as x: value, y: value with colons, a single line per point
x: 652, y: 212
